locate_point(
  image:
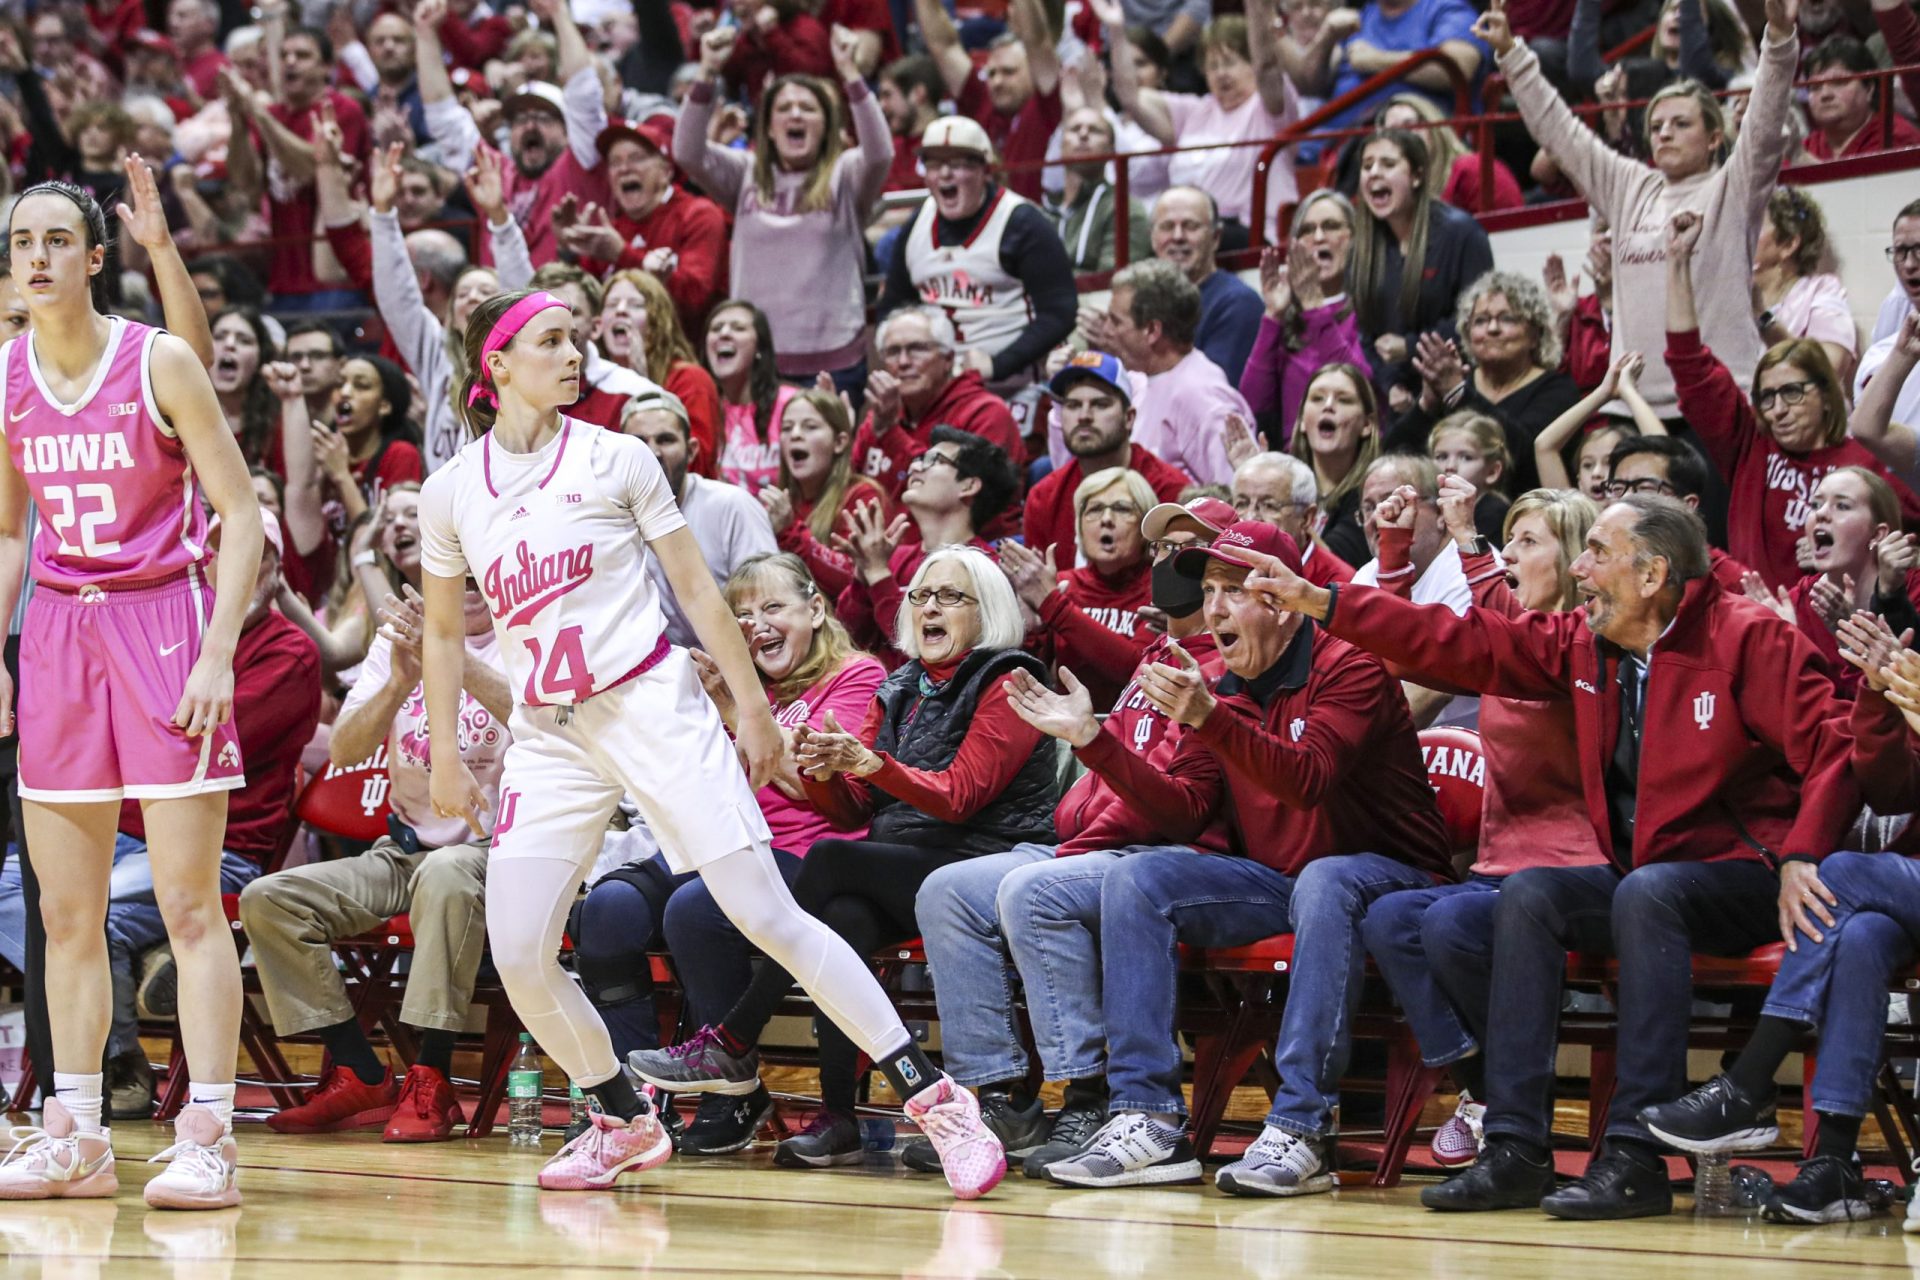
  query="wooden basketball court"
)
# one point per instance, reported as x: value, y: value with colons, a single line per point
x: 351, y: 1206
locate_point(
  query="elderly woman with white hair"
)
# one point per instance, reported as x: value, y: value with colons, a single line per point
x: 1088, y: 618
x: 1510, y: 372
x: 941, y: 769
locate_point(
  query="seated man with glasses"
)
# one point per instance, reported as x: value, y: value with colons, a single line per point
x: 1281, y: 490
x: 1669, y: 467
x: 1034, y: 913
x: 1092, y: 404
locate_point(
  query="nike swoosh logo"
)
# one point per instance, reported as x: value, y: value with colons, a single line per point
x: 15, y: 417
x: 171, y: 649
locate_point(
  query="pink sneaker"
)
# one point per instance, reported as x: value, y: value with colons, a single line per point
x: 1457, y: 1142
x: 56, y: 1161
x: 202, y: 1169
x: 607, y: 1149
x: 970, y: 1156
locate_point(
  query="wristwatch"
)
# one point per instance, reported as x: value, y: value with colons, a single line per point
x: 366, y: 559
x: 1480, y: 546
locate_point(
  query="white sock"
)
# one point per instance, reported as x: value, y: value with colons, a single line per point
x: 217, y: 1098
x: 81, y: 1096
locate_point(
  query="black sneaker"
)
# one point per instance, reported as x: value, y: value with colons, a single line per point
x: 830, y: 1138
x: 724, y: 1125
x: 1827, y: 1189
x: 1614, y: 1186
x: 1020, y: 1131
x: 1502, y: 1178
x: 1073, y: 1128
x: 1714, y: 1118
x: 129, y: 1086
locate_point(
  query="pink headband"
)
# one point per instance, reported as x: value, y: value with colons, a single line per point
x: 504, y: 330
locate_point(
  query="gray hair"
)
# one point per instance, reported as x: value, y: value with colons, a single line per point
x: 438, y: 255
x: 1673, y: 531
x: 1529, y: 302
x: 1305, y: 489
x: 939, y: 326
x: 1162, y: 292
x: 241, y: 38
x: 1414, y: 469
x: 1001, y: 626
x: 1330, y: 195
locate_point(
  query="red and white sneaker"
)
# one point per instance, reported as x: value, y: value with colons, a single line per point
x: 202, y: 1166
x: 607, y: 1149
x: 1458, y: 1141
x: 55, y: 1161
x: 341, y: 1101
x: 427, y: 1109
x: 970, y: 1155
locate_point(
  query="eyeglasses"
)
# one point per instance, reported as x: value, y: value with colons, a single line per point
x: 908, y: 351
x: 948, y: 597
x: 1902, y: 252
x: 1506, y: 320
x: 928, y: 460
x: 1646, y: 484
x: 1266, y: 508
x: 1164, y: 547
x: 309, y: 357
x: 1788, y: 393
x: 1121, y: 511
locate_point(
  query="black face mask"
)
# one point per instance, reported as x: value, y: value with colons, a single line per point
x: 1175, y: 595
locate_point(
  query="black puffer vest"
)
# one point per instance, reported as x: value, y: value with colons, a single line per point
x: 925, y: 732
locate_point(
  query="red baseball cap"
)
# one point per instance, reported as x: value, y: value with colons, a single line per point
x: 654, y: 133
x: 1251, y: 535
x: 1204, y: 516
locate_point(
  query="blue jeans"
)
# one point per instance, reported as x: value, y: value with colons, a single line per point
x: 1434, y: 946
x: 134, y: 926
x: 1028, y: 913
x: 715, y: 963
x: 1876, y: 930
x: 1151, y: 902
x: 1653, y: 919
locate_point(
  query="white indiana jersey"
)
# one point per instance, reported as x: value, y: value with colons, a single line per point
x: 989, y: 306
x: 557, y: 542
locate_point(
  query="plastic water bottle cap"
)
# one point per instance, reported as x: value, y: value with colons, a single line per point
x: 526, y: 1037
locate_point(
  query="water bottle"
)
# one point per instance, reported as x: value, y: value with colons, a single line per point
x: 577, y: 1122
x: 525, y: 1079
x: 877, y: 1133
x: 1713, y: 1187
x: 1751, y: 1187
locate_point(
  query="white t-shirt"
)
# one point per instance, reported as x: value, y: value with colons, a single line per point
x: 483, y: 742
x: 557, y: 541
x: 1444, y: 582
x: 730, y: 525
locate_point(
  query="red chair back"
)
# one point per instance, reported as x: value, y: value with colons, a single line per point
x: 351, y: 802
x: 1457, y: 772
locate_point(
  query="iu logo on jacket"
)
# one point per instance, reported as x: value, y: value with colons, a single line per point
x: 1703, y: 710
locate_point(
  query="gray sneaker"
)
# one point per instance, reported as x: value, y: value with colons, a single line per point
x: 1277, y: 1164
x: 1073, y: 1128
x: 1132, y: 1150
x: 1019, y: 1132
x: 699, y: 1065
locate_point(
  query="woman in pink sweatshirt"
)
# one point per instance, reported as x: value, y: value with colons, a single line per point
x: 1309, y: 322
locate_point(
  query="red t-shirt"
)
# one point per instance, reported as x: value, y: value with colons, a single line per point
x: 293, y: 220
x: 904, y: 173
x: 1866, y: 142
x: 400, y: 463
x: 276, y: 704
x: 1020, y: 138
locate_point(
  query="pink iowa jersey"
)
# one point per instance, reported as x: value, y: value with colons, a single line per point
x: 557, y: 542
x: 116, y: 494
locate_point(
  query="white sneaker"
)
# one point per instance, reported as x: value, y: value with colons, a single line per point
x: 202, y: 1166
x: 1278, y: 1163
x: 55, y: 1161
x: 1131, y: 1150
x: 1459, y: 1140
x: 1912, y: 1223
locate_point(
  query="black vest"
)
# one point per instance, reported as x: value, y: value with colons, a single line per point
x: 925, y: 732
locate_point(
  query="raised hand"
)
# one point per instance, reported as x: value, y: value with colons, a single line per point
x: 1906, y: 340
x: 595, y: 236
x: 1390, y: 347
x: 845, y: 49
x: 1493, y: 28
x: 1241, y: 442
x: 331, y: 453
x: 1304, y: 270
x: 565, y: 215
x: 403, y: 621
x: 1066, y: 715
x: 779, y: 506
x: 1276, y: 284
x: 1563, y: 291
x: 1868, y: 643
x: 1755, y: 588
x: 1783, y: 17
x: 383, y: 177
x: 1894, y: 557
x: 872, y: 540
x: 1178, y: 689
x: 427, y: 17
x: 486, y: 188
x: 1457, y: 497
x: 883, y: 400
x: 283, y: 379
x: 1341, y: 24
x: 1440, y: 367
x: 144, y: 220
x: 1683, y: 233
x: 1398, y: 509
x: 1032, y: 575
x: 715, y: 48
x: 1108, y: 13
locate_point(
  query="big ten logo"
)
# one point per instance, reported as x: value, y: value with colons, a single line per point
x: 374, y: 786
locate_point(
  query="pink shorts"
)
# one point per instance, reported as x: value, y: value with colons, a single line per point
x: 101, y: 674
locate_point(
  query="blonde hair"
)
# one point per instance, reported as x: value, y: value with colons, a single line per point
x: 1488, y: 436
x: 816, y: 194
x: 1369, y: 434
x: 1138, y: 492
x: 664, y: 341
x: 1568, y: 514
x: 832, y: 647
x: 1444, y: 146
x: 833, y: 495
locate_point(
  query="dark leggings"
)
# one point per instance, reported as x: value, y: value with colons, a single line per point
x: 864, y: 891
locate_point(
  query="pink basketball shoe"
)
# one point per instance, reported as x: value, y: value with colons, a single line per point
x: 970, y: 1156
x: 56, y: 1161
x: 202, y: 1171
x: 607, y: 1149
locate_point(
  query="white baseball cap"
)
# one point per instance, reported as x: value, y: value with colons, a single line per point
x: 957, y: 133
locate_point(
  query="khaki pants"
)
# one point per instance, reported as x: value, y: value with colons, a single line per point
x: 293, y: 916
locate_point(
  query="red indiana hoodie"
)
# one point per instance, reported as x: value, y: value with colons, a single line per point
x: 1747, y: 750
x: 1886, y: 763
x: 1092, y: 816
x: 965, y: 402
x: 1092, y: 626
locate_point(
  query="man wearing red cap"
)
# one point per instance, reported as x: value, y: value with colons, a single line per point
x: 1307, y: 748
x: 654, y: 225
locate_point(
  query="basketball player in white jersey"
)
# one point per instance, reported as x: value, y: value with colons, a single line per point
x: 554, y: 519
x: 112, y: 431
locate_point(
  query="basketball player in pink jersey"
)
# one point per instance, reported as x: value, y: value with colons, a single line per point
x: 112, y: 430
x: 554, y: 518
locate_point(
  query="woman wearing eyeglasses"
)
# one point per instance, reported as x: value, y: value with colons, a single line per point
x: 940, y: 770
x: 1774, y: 447
x: 1088, y: 618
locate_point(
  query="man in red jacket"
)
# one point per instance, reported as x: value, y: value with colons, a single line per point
x: 1307, y: 748
x: 913, y: 391
x: 1094, y: 399
x: 1749, y: 788
x: 1035, y: 911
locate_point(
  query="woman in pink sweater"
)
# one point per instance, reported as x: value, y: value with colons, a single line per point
x: 800, y: 201
x: 1309, y: 322
x: 1435, y: 946
x: 1692, y: 169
